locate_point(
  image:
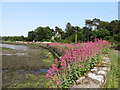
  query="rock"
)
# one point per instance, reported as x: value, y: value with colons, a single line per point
x: 87, y: 83
x: 94, y: 69
x: 103, y: 68
x: 95, y: 78
x: 100, y: 78
x: 80, y: 80
x: 102, y: 72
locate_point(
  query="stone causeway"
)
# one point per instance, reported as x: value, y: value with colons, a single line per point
x: 96, y: 78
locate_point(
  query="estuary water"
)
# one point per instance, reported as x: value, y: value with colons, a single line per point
x: 24, y: 63
x: 17, y: 47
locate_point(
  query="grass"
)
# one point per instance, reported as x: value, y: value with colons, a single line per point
x: 5, y: 49
x: 113, y: 78
x: 49, y: 59
x: 32, y: 82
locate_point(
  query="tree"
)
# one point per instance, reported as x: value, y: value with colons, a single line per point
x: 103, y: 25
x: 96, y: 23
x: 87, y: 32
x: 58, y: 32
x: 69, y: 29
x: 103, y: 33
x: 117, y: 37
x: 43, y: 33
x: 114, y: 27
x: 31, y: 36
x: 88, y: 24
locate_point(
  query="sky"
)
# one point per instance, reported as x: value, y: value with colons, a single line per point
x: 20, y: 17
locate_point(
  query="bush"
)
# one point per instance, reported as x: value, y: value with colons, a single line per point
x: 110, y: 39
x: 77, y: 60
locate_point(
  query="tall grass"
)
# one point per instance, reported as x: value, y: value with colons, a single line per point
x: 113, y: 78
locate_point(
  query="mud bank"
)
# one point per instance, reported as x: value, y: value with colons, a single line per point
x: 34, y: 58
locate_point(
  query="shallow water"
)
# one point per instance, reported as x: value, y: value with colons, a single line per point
x: 18, y: 54
x: 21, y: 54
x: 5, y: 54
x: 23, y: 57
x: 18, y: 47
x: 23, y: 70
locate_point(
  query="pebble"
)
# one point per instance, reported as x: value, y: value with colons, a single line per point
x: 82, y: 78
x: 94, y: 69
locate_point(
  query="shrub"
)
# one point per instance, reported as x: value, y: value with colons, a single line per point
x: 78, y: 59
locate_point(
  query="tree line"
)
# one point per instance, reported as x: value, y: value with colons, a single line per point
x: 94, y: 28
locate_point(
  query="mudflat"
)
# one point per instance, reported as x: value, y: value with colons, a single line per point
x: 34, y: 58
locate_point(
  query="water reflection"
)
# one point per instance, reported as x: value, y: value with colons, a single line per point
x: 21, y: 54
x: 18, y: 54
x: 18, y: 47
x: 5, y: 54
x: 23, y: 70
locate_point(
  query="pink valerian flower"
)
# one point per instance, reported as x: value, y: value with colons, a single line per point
x: 56, y: 77
x: 63, y: 63
x: 59, y: 82
x: 51, y: 82
x: 74, y: 53
x: 56, y: 61
x: 53, y: 68
x: 48, y: 76
x: 50, y: 71
x: 80, y: 66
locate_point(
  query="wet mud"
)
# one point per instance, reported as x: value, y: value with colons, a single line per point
x: 32, y: 59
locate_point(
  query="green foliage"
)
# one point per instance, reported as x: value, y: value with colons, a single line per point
x: 103, y: 33
x: 75, y: 73
x: 105, y: 50
x: 116, y: 45
x: 14, y: 38
x: 81, y: 37
x: 117, y: 37
x: 72, y: 34
x: 110, y: 39
x: 31, y: 36
x: 57, y: 39
x: 113, y: 78
x: 33, y: 82
x: 43, y: 33
x: 87, y: 33
x: 70, y: 39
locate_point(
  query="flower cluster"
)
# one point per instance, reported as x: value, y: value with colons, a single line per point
x: 77, y: 60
